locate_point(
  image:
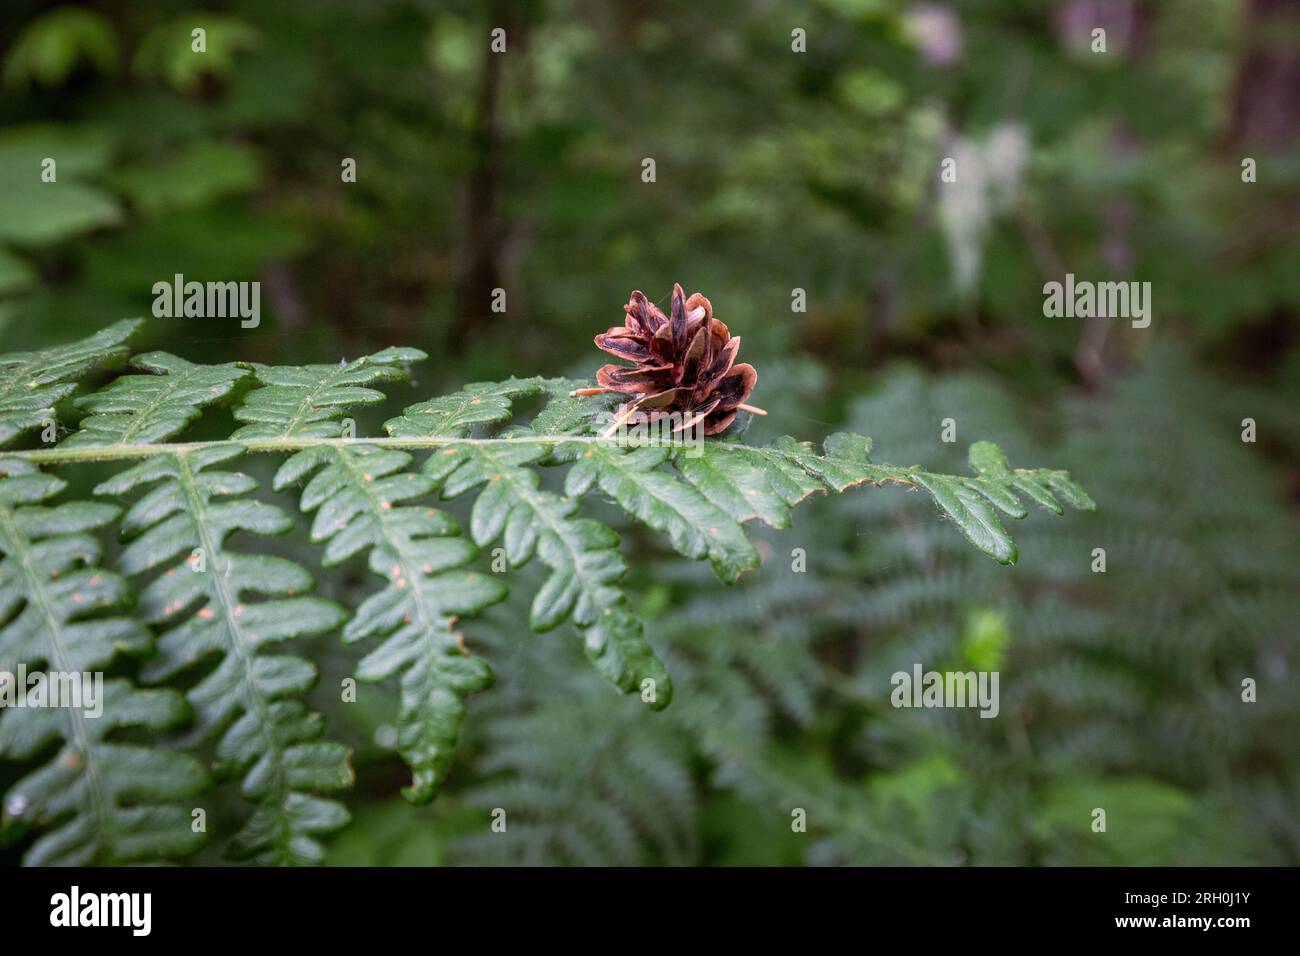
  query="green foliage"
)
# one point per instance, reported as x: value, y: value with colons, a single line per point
x: 52, y: 45
x: 193, y: 176
x: 39, y: 213
x: 309, y: 401
x: 167, y: 52
x: 817, y: 171
x: 202, y: 604
x: 100, y: 801
x: 357, y: 496
x: 32, y: 383
x: 356, y: 492
x: 144, y: 409
x: 1109, y: 679
x: 211, y: 618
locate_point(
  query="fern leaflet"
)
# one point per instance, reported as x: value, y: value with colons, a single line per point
x: 356, y: 492
x: 105, y: 802
x: 251, y: 698
x: 31, y: 383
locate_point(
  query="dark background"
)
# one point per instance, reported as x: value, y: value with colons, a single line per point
x: 775, y: 171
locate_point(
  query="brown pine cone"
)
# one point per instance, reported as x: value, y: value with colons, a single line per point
x: 683, y: 364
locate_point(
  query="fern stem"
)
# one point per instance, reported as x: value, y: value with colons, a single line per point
x: 290, y: 444
x: 117, y: 452
x: 240, y: 643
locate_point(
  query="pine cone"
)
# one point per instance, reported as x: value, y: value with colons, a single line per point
x: 683, y: 364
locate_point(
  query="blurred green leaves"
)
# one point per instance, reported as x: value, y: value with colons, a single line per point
x: 1144, y: 820
x: 986, y: 639
x: 35, y: 212
x: 178, y: 55
x: 51, y: 46
x: 197, y: 174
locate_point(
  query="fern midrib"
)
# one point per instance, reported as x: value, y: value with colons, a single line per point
x: 428, y: 615
x: 196, y: 506
x: 118, y: 451
x: 289, y: 444
x: 81, y: 737
x: 309, y: 400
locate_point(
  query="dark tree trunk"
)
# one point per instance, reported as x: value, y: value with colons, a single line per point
x: 481, y: 256
x: 1266, y: 108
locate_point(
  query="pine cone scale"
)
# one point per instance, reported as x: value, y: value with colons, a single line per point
x: 624, y: 346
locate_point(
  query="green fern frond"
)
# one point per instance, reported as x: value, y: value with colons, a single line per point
x: 309, y: 400
x: 581, y: 553
x: 511, y: 505
x: 568, y: 414
x: 452, y: 416
x: 737, y: 483
x: 202, y: 598
x: 31, y: 383
x: 103, y: 802
x: 142, y: 409
x: 619, y: 785
x: 695, y: 526
x: 206, y: 601
x: 582, y: 777
x: 357, y: 493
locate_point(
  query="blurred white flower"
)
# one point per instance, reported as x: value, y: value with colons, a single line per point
x: 988, y: 180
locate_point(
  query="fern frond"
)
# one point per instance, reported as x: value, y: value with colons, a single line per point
x: 632, y: 478
x: 567, y: 414
x: 103, y: 802
x: 762, y: 482
x: 966, y: 500
x: 357, y: 494
x: 364, y: 495
x: 309, y: 400
x: 251, y: 699
x: 583, y: 777
x: 584, y: 786
x: 142, y: 409
x: 452, y: 416
x: 31, y: 383
x: 701, y: 505
x: 585, y: 567
x: 581, y: 553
